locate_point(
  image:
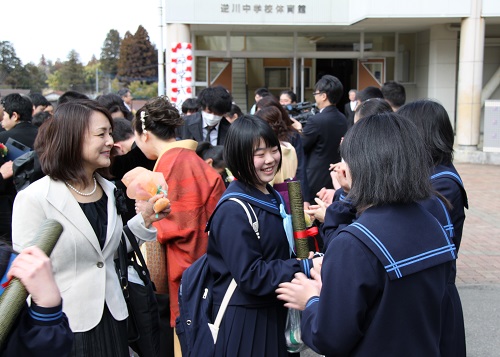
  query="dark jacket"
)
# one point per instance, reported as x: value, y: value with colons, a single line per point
x: 193, y: 128
x: 25, y: 133
x: 37, y: 331
x: 446, y: 180
x: 390, y: 288
x: 321, y: 140
x: 349, y: 114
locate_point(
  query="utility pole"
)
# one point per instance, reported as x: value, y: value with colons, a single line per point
x: 96, y: 80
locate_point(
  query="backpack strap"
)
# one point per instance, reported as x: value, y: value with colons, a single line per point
x: 232, y: 285
x: 254, y: 224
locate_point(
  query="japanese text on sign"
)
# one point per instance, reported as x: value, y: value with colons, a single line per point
x: 266, y: 9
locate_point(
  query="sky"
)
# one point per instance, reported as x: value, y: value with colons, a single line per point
x: 55, y: 27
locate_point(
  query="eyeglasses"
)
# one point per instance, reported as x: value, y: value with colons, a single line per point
x: 316, y: 93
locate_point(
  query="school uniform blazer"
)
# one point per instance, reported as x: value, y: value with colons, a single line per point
x: 84, y: 273
x: 386, y: 288
x: 193, y: 128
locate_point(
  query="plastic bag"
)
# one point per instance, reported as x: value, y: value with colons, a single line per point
x: 292, y: 332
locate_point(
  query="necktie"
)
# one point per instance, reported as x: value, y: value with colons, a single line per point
x: 209, y: 130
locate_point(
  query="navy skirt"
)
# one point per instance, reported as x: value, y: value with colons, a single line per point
x: 252, y: 331
x: 107, y: 339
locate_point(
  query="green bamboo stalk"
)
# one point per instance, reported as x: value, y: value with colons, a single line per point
x: 298, y: 220
x: 14, y: 296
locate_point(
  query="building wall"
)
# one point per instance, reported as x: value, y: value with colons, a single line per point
x: 422, y: 66
x: 443, y: 67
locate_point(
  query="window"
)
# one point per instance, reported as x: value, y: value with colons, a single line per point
x: 281, y: 78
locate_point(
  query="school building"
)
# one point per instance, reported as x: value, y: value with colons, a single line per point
x: 448, y: 50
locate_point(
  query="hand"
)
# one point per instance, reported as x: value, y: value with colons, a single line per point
x: 298, y: 291
x: 326, y: 195
x: 34, y: 270
x: 317, y: 211
x: 297, y: 125
x: 317, y: 264
x: 6, y: 170
x: 146, y: 209
x: 340, y: 174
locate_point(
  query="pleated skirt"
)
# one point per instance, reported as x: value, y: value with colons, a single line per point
x: 107, y: 339
x: 252, y: 332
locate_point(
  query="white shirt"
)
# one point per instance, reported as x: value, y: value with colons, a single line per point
x: 213, y: 133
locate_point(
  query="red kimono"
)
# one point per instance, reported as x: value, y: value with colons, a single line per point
x: 194, y: 188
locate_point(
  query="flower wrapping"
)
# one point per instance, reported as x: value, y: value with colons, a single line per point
x: 142, y: 184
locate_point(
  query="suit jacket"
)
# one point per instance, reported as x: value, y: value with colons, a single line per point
x: 84, y: 273
x: 321, y: 140
x: 23, y: 132
x: 193, y: 129
x: 349, y: 114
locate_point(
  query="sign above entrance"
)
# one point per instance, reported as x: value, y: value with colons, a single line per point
x: 266, y: 12
x: 267, y: 9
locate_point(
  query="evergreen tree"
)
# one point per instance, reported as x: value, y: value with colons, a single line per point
x: 70, y: 75
x: 9, y: 62
x: 124, y: 62
x: 138, y: 58
x: 110, y: 53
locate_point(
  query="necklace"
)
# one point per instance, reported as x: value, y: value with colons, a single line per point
x: 81, y: 193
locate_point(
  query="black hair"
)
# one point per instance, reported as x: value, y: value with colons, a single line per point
x: 394, y: 93
x: 434, y: 125
x: 122, y: 129
x: 387, y: 160
x: 190, y: 105
x: 123, y: 92
x: 235, y: 110
x: 206, y: 151
x: 372, y: 106
x: 331, y: 86
x: 216, y: 99
x: 242, y: 138
x: 20, y: 104
x: 161, y: 117
x: 369, y: 93
x: 38, y: 99
x: 40, y: 118
x: 291, y: 94
x: 263, y: 92
x: 114, y: 103
x: 69, y: 96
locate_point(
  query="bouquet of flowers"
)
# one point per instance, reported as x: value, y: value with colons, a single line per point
x: 142, y: 184
x: 3, y: 150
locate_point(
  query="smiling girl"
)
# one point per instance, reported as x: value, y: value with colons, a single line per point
x: 254, y: 322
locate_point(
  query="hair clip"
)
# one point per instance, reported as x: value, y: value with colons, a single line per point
x: 143, y: 120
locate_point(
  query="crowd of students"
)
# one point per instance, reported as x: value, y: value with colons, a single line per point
x: 378, y: 180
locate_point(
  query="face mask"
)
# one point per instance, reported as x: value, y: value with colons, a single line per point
x: 211, y: 119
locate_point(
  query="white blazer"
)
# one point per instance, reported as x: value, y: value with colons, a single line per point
x: 84, y: 273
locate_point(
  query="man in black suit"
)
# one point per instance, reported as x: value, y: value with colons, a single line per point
x: 16, y: 121
x: 209, y: 124
x: 322, y: 135
x: 350, y: 107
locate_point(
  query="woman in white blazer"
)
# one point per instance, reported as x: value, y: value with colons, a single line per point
x: 73, y: 147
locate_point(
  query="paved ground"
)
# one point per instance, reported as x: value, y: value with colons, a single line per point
x: 478, y: 264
